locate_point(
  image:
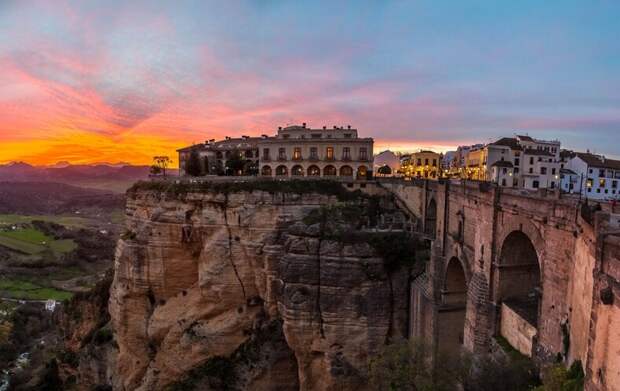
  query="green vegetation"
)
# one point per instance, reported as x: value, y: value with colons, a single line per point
x: 68, y: 221
x: 403, y: 365
x: 558, y: 378
x: 32, y: 241
x: 21, y: 289
x: 319, y: 186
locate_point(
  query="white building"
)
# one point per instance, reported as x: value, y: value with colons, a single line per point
x: 387, y: 158
x: 535, y: 163
x: 294, y: 151
x: 594, y: 176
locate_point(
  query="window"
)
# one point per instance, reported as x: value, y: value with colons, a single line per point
x: 531, y: 170
x: 419, y: 162
x: 297, y: 153
x: 346, y: 153
x: 540, y: 159
x: 553, y: 171
x: 543, y: 170
x: 516, y: 161
x: 531, y: 160
x: 426, y: 162
x: 504, y: 171
x: 535, y: 184
x: 552, y: 184
x: 601, y: 182
x: 614, y: 184
x: 516, y: 170
x: 589, y: 182
x: 316, y: 135
x: 249, y: 153
x: 286, y: 135
x: 282, y: 153
x: 363, y: 153
x: 347, y: 135
x: 314, y: 153
x: 601, y: 173
x: 504, y: 182
x: 329, y: 153
x: 434, y: 162
x: 265, y: 153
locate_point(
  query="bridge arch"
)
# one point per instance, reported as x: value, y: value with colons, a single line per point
x: 453, y: 307
x: 518, y: 291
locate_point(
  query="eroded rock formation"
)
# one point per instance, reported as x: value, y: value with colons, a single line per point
x: 233, y: 290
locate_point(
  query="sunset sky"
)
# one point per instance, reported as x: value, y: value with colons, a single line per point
x: 109, y: 81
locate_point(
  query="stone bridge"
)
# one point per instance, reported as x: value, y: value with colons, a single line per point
x: 536, y: 268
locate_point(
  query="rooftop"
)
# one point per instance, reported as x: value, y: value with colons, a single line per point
x: 598, y: 161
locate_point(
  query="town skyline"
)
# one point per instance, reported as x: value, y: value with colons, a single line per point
x: 111, y: 81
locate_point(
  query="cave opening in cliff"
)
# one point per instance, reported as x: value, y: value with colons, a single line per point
x: 453, y: 308
x: 518, y: 291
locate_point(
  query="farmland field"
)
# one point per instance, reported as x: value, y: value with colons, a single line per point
x: 66, y: 220
x: 32, y: 241
x: 20, y: 289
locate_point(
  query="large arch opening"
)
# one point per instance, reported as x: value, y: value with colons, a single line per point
x: 519, y: 291
x: 430, y: 219
x: 453, y: 308
x: 362, y: 172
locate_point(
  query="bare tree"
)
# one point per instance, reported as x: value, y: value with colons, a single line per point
x: 162, y: 162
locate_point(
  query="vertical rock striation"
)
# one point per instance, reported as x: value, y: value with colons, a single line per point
x: 231, y: 290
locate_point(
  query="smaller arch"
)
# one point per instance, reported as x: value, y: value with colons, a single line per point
x: 455, y: 283
x: 297, y: 170
x: 314, y: 171
x: 329, y: 170
x: 346, y: 171
x: 266, y: 171
x: 430, y: 218
x: 281, y: 171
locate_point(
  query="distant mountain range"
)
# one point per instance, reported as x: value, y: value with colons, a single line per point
x: 112, y: 177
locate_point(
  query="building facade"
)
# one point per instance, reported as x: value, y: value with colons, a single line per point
x: 516, y: 162
x: 592, y: 176
x: 295, y: 151
x: 422, y: 164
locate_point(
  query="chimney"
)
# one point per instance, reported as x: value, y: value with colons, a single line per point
x: 324, y: 127
x: 348, y: 126
x: 263, y: 135
x: 227, y: 137
x: 245, y: 137
x: 335, y: 127
x: 279, y: 128
x: 303, y: 125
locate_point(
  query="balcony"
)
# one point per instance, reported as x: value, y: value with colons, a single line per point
x: 313, y: 159
x: 266, y: 158
x: 346, y: 158
x: 281, y: 158
x: 297, y: 158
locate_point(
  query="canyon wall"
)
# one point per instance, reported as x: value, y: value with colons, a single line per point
x: 233, y: 290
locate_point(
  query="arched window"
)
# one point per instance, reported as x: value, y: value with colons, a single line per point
x: 362, y: 172
x: 329, y: 171
x: 314, y: 171
x: 281, y: 171
x: 266, y: 171
x: 346, y: 171
x: 297, y: 170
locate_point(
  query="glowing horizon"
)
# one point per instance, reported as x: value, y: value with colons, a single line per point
x: 115, y: 81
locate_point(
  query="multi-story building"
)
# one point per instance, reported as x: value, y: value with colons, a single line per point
x: 293, y: 151
x: 421, y: 164
x: 519, y: 161
x: 301, y: 151
x: 594, y: 176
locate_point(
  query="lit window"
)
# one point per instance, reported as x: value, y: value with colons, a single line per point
x: 282, y: 153
x: 297, y: 153
x: 329, y: 153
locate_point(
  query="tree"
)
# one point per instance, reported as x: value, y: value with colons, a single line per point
x: 193, y: 166
x: 162, y: 162
x: 155, y: 170
x: 384, y: 170
x: 235, y: 163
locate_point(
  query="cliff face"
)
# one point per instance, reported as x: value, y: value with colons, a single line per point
x: 233, y: 290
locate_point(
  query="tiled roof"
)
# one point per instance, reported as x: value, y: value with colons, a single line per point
x: 513, y: 143
x: 502, y: 163
x: 567, y: 171
x: 598, y: 161
x: 537, y: 152
x: 526, y: 138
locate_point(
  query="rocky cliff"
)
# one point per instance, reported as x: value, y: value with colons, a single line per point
x: 246, y: 287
